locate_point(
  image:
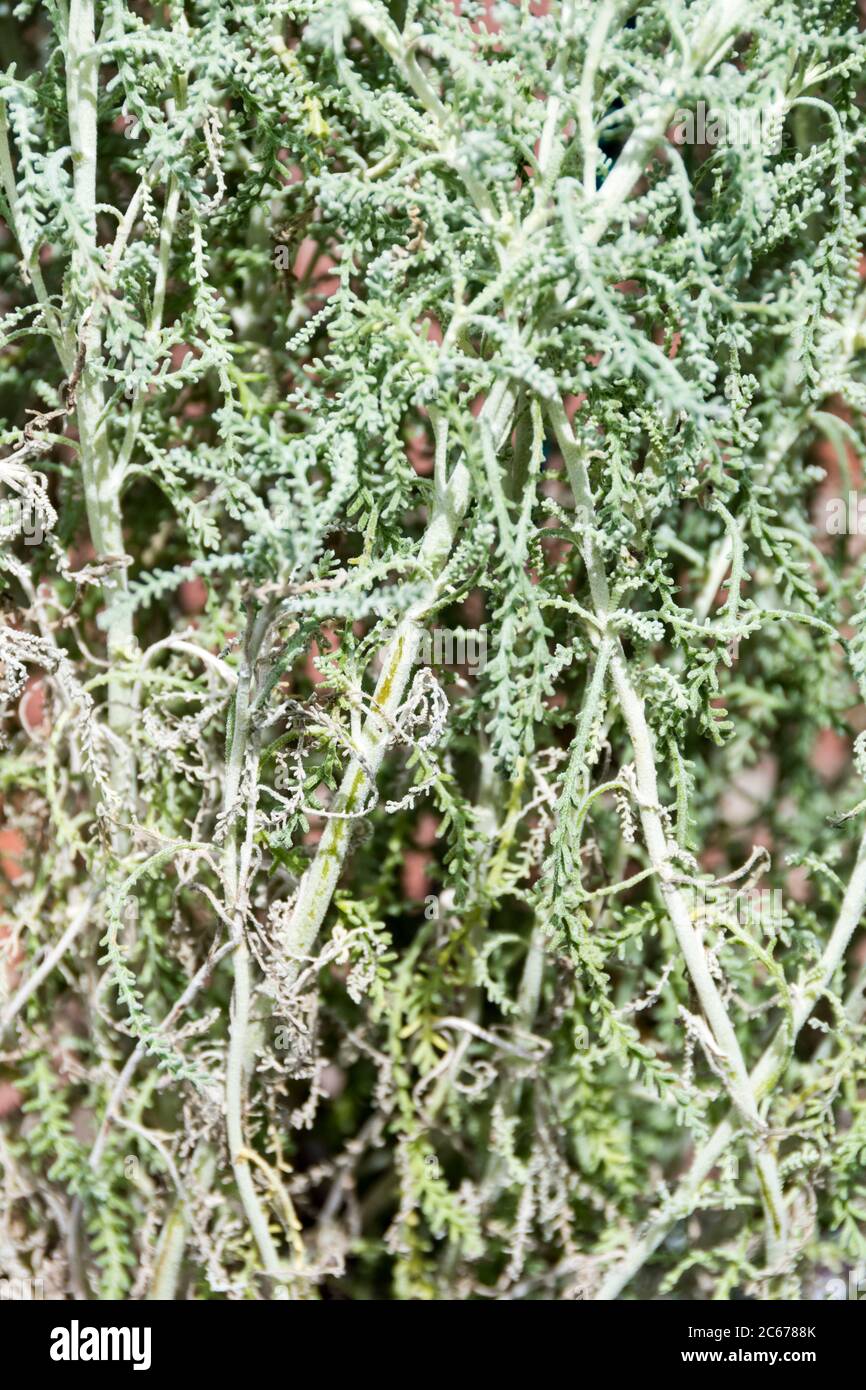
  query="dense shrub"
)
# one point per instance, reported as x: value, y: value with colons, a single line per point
x: 432, y: 773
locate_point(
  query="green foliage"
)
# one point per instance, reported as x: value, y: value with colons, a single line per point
x: 431, y: 649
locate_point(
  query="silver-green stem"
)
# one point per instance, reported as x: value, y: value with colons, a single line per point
x: 318, y: 884
x: 731, y: 1059
x: 763, y: 1077
x: 236, y: 866
x: 100, y: 477
x: 320, y: 880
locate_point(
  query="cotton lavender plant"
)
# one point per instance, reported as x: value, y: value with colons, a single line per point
x: 342, y: 341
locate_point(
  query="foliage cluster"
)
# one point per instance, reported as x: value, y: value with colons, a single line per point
x: 332, y: 972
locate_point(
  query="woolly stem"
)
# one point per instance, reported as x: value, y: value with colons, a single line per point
x: 172, y: 1241
x: 100, y: 478
x: 711, y: 39
x: 632, y: 706
x: 764, y: 1075
x: 320, y: 880
x: 44, y: 969
x: 235, y: 876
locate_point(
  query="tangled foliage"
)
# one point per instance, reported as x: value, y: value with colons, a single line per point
x: 341, y: 340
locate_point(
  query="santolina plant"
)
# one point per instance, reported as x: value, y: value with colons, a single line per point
x: 340, y: 962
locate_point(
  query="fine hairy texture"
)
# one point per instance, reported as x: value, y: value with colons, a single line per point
x: 433, y: 854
